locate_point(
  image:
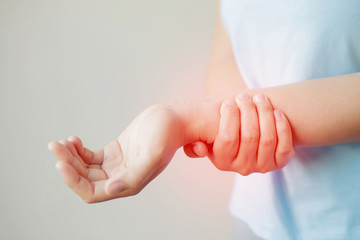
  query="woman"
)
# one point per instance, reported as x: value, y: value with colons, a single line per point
x: 305, y: 58
x: 316, y: 196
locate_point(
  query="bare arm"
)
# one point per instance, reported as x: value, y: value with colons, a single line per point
x: 321, y: 111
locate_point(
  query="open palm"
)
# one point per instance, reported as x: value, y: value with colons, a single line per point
x: 127, y: 164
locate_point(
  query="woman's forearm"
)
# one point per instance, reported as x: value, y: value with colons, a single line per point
x: 321, y: 112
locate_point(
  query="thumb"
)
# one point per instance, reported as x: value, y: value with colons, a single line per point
x: 196, y: 150
x: 113, y: 187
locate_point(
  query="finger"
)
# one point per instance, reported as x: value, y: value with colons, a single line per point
x: 226, y: 144
x: 130, y: 183
x: 94, y: 166
x: 99, y: 194
x: 113, y: 158
x: 70, y: 146
x: 63, y: 154
x: 60, y: 151
x: 90, y: 192
x: 77, y: 161
x: 196, y: 150
x: 129, y: 180
x: 267, y: 142
x: 73, y: 151
x: 76, y: 182
x: 285, y: 147
x: 200, y: 149
x: 87, y: 155
x: 246, y: 161
x: 96, y: 174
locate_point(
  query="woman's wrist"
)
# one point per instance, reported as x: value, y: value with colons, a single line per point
x: 199, y: 119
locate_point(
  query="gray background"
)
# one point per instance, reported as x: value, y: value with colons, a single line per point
x: 87, y: 68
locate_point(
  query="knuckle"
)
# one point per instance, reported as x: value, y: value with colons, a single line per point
x: 262, y: 170
x: 265, y: 167
x: 227, y: 139
x: 260, y: 167
x: 268, y: 139
x: 284, y: 151
x: 221, y: 166
x: 282, y: 163
x: 250, y: 136
x: 284, y: 157
x: 245, y: 172
x: 245, y: 105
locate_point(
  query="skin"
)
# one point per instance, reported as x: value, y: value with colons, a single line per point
x: 236, y: 149
x: 222, y: 77
x: 333, y: 118
x: 127, y: 164
x: 144, y: 149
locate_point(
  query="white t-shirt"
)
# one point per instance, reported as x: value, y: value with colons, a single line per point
x: 276, y: 42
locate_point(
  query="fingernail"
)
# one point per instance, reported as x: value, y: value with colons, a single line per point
x: 50, y: 146
x: 116, y: 187
x: 229, y: 102
x: 58, y: 166
x: 277, y: 114
x: 243, y: 97
x: 259, y: 98
x: 196, y: 150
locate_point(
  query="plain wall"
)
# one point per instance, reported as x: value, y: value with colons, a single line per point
x: 87, y: 68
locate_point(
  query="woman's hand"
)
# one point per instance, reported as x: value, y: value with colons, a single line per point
x: 127, y: 164
x: 252, y: 137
